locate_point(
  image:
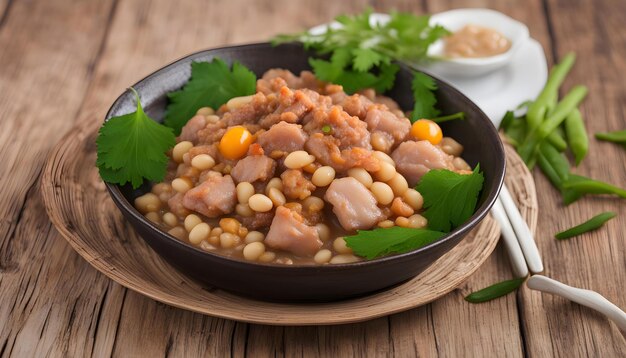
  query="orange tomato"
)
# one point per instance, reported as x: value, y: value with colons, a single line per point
x: 235, y: 142
x: 425, y: 129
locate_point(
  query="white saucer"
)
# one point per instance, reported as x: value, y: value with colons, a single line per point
x: 505, y: 89
x: 496, y: 92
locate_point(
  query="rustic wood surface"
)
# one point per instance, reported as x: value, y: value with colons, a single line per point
x: 63, y: 62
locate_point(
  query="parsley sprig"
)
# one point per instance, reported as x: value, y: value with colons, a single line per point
x: 449, y: 200
x: 361, y: 55
x: 211, y: 85
x: 132, y: 147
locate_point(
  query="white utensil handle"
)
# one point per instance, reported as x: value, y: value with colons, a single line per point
x: 510, y: 241
x: 587, y: 298
x: 522, y: 232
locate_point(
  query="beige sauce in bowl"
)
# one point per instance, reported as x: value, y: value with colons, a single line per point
x: 474, y: 41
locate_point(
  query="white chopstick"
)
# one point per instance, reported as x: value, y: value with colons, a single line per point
x: 522, y: 232
x: 520, y: 269
x: 587, y: 298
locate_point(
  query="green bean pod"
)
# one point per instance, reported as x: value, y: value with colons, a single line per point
x: 541, y: 106
x: 618, y: 137
x: 562, y: 109
x: 589, y: 225
x: 553, y: 164
x: 557, y: 141
x: 494, y: 291
x: 576, y: 135
x: 591, y: 186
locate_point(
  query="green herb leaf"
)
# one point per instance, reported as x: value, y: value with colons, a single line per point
x: 423, y: 92
x: 365, y: 59
x: 450, y: 117
x: 132, y: 147
x: 449, y: 198
x: 382, y: 241
x: 211, y: 85
x: 589, y: 225
x: 494, y: 291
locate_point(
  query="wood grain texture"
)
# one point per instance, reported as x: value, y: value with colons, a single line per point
x: 75, y: 199
x: 595, y: 31
x: 55, y: 304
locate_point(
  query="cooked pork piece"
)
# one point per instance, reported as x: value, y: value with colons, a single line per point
x: 253, y: 168
x: 296, y: 185
x: 190, y: 130
x: 289, y: 232
x: 214, y: 197
x: 355, y: 206
x: 414, y: 159
x: 286, y: 137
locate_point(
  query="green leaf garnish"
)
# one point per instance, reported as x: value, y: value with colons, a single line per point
x: 449, y: 198
x: 423, y: 93
x: 211, y: 85
x: 382, y: 241
x: 132, y: 147
x: 494, y: 291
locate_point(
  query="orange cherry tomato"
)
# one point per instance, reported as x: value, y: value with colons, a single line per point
x: 425, y: 129
x: 235, y: 142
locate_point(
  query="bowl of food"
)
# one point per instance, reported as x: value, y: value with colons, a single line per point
x: 481, y: 41
x: 277, y: 195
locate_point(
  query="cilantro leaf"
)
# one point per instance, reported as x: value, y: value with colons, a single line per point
x: 211, y: 84
x: 423, y: 92
x: 132, y: 147
x: 449, y: 198
x: 382, y: 241
x: 365, y: 59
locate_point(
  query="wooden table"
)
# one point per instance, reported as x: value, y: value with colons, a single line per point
x: 64, y: 61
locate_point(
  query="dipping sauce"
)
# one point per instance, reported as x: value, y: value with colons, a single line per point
x: 476, y: 41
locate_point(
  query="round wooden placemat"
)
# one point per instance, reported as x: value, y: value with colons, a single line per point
x: 80, y: 208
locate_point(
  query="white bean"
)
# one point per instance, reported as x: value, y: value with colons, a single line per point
x: 254, y: 236
x: 191, y: 221
x: 199, y: 232
x: 260, y: 203
x: 277, y: 197
x: 341, y: 247
x: 244, y: 191
x: 323, y: 176
x: 202, y: 162
x: 382, y: 192
x: 322, y: 256
x: 147, y: 203
x: 180, y: 149
x: 170, y: 219
x: 386, y: 172
x: 298, y: 159
x: 344, y: 259
x: 181, y: 185
x: 413, y: 198
x: 253, y: 251
x: 238, y: 102
x: 362, y: 176
x: 398, y: 184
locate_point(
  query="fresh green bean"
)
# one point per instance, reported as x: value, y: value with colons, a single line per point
x: 589, y: 225
x: 557, y: 141
x: 458, y: 115
x: 553, y: 164
x: 494, y: 291
x: 576, y: 135
x: 539, y: 108
x: 591, y: 186
x: 571, y: 195
x: 516, y: 132
x: 618, y: 137
x: 562, y: 109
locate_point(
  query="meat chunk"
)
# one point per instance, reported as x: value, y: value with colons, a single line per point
x: 276, y: 78
x: 175, y: 204
x: 253, y: 168
x: 190, y: 130
x: 326, y: 150
x: 355, y: 206
x: 214, y: 197
x: 292, y: 106
x: 286, y: 137
x: 257, y: 221
x: 289, y: 232
x: 296, y: 185
x: 380, y: 119
x: 349, y: 130
x: 414, y: 159
x: 356, y: 105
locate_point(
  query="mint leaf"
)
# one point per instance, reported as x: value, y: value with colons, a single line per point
x: 449, y: 198
x: 132, y: 147
x: 379, y: 242
x: 211, y: 85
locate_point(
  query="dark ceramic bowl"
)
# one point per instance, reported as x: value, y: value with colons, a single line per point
x: 308, y: 283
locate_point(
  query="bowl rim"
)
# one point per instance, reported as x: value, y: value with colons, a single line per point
x: 462, y: 230
x: 516, y: 43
